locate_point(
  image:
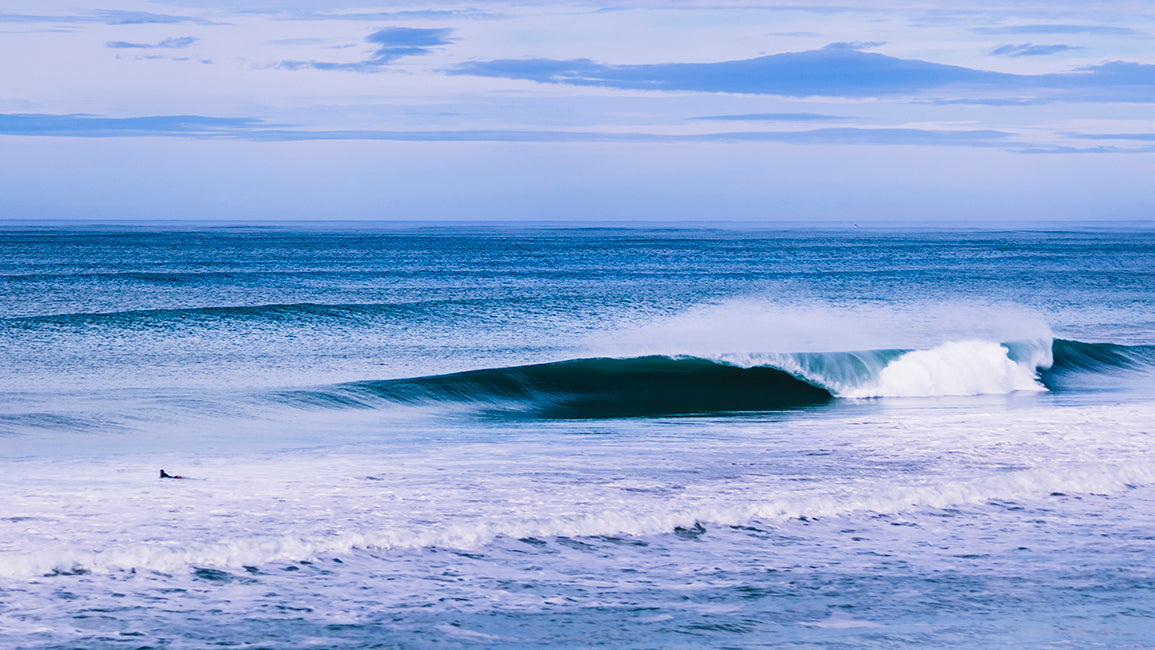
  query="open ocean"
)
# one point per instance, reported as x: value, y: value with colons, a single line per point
x: 485, y: 436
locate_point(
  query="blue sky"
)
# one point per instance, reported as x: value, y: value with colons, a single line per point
x: 723, y: 111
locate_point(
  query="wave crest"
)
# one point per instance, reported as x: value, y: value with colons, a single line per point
x: 955, y: 368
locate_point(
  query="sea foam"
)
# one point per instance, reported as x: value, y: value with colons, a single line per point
x: 254, y: 511
x: 955, y: 368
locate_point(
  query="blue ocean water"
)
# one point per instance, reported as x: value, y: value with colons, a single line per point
x: 498, y: 436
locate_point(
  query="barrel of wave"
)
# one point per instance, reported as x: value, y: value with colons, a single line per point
x: 957, y: 368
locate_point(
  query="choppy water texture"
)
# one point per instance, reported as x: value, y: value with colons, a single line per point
x: 504, y: 437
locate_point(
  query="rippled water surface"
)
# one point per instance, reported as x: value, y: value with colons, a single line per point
x: 536, y: 437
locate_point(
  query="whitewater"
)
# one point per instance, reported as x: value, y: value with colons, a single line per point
x: 406, y: 436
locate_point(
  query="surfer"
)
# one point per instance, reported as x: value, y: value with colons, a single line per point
x: 164, y: 474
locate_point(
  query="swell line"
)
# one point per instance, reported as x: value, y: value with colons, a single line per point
x: 269, y: 312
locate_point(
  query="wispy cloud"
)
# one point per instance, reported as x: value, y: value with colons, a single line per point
x: 855, y: 45
x: 1143, y: 137
x: 834, y: 72
x: 831, y: 71
x: 415, y: 14
x: 1114, y: 81
x: 990, y: 101
x: 168, y: 43
x: 772, y: 117
x: 842, y: 136
x: 105, y: 16
x: 94, y: 126
x: 392, y: 43
x: 397, y: 42
x: 258, y: 130
x: 117, y: 17
x: 1106, y: 30
x: 1030, y: 49
x: 875, y: 136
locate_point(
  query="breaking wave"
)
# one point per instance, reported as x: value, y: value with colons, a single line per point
x: 683, y: 385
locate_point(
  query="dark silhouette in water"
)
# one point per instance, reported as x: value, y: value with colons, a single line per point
x: 164, y: 474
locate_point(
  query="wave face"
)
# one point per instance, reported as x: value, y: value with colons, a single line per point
x: 1077, y: 365
x: 604, y: 388
x: 1075, y: 356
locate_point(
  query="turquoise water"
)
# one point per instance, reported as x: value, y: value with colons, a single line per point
x: 501, y: 436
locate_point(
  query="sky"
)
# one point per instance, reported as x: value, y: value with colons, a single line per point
x: 983, y: 111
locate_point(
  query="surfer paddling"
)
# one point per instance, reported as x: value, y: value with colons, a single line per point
x: 164, y: 474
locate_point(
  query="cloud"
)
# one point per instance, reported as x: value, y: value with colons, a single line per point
x: 168, y: 43
x: 397, y: 42
x: 360, y: 66
x: 875, y: 136
x: 298, y: 41
x: 393, y: 43
x: 314, y: 10
x: 106, y: 16
x: 117, y: 17
x: 92, y: 126
x: 1030, y: 49
x: 829, y: 136
x: 831, y: 71
x: 772, y: 117
x: 1105, y: 30
x: 1145, y: 137
x: 1113, y: 81
x: 835, y: 72
x: 258, y: 130
x: 417, y: 14
x: 854, y: 45
x: 992, y: 101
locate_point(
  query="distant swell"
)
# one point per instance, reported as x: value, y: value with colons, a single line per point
x: 593, y: 388
x: 213, y: 316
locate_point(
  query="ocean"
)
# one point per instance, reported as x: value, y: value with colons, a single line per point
x: 407, y: 435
